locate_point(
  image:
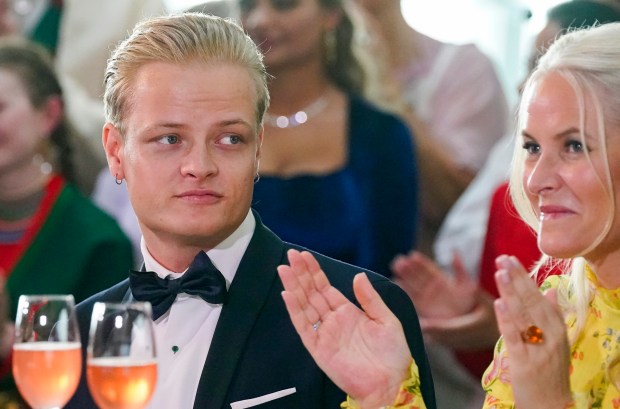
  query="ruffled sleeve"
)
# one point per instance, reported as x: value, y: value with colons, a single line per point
x: 496, y: 383
x: 409, y: 396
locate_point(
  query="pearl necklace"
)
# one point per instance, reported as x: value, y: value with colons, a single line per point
x: 298, y: 118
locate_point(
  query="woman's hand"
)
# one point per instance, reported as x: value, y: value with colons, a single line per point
x: 434, y: 293
x: 472, y: 331
x: 364, y: 351
x: 454, y: 312
x: 539, y: 372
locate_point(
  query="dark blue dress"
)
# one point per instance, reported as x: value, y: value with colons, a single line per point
x: 363, y: 214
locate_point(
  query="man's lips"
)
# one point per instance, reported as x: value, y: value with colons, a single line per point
x: 200, y: 195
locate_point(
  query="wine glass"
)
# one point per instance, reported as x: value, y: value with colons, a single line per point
x: 121, y: 366
x: 47, y: 353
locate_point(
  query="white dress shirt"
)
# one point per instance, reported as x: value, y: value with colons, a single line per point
x: 183, y: 335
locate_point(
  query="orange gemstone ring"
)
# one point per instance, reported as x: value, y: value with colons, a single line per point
x: 533, y: 335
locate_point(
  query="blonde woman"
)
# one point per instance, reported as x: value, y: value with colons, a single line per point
x: 561, y: 349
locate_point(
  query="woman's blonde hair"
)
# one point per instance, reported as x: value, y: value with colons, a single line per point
x: 589, y: 60
x: 180, y: 39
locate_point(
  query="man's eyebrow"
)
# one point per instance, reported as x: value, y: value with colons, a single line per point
x: 176, y: 125
x: 168, y: 125
x: 227, y: 122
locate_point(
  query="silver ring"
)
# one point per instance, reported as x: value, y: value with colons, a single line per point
x: 316, y: 325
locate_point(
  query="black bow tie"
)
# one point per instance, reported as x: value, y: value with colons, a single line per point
x: 202, y: 279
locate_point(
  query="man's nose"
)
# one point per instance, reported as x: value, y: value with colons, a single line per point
x: 198, y: 162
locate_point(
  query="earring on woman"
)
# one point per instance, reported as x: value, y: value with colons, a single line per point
x: 256, y: 178
x: 330, y: 44
x: 45, y: 167
x: 117, y: 180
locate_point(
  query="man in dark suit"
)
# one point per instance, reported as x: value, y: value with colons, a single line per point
x: 185, y: 96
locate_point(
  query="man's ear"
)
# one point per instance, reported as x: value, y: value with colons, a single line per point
x: 113, y: 146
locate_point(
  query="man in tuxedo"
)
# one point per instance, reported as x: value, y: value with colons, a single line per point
x: 184, y: 97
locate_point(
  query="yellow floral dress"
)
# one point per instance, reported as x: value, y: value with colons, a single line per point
x: 595, y: 357
x: 409, y: 396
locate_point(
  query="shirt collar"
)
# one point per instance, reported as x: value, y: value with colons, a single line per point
x: 226, y: 256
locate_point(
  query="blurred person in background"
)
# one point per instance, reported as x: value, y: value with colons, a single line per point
x: 337, y: 174
x: 52, y: 238
x: 450, y: 96
x: 79, y: 33
x: 39, y: 21
x: 89, y: 29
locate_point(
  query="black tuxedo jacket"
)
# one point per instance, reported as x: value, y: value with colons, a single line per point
x: 255, y: 349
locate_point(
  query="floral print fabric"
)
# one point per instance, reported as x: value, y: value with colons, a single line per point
x: 595, y: 355
x: 409, y: 396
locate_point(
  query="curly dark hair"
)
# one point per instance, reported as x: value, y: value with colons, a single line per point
x: 33, y: 65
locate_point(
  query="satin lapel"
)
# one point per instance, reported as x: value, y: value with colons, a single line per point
x: 255, y: 276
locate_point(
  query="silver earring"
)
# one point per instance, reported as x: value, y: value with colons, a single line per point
x: 117, y: 180
x: 256, y: 178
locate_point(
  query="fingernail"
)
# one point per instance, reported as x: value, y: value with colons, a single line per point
x: 502, y: 261
x: 499, y: 305
x: 513, y: 261
x: 502, y: 276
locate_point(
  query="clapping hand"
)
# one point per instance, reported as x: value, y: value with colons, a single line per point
x: 364, y: 351
x: 454, y: 311
x: 434, y: 293
x: 535, y: 337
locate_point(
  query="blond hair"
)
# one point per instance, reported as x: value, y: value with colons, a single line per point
x: 180, y: 39
x: 589, y: 60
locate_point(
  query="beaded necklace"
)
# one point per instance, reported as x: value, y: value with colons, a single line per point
x: 298, y: 118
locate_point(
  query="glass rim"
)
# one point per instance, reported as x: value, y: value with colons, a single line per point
x: 47, y: 297
x: 123, y: 305
x: 108, y: 311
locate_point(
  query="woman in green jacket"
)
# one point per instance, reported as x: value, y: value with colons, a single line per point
x: 52, y: 239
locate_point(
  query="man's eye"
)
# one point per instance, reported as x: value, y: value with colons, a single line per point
x: 231, y: 140
x: 169, y: 139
